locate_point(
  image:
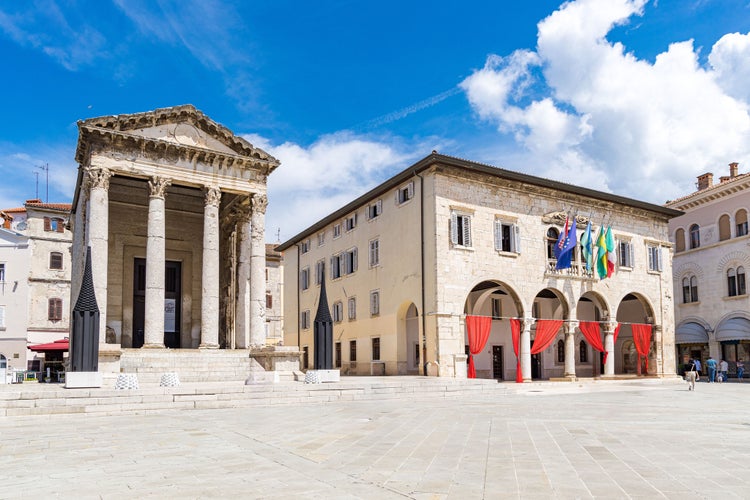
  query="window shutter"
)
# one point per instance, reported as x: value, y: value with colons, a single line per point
x: 2, y: 315
x: 454, y: 228
x: 379, y: 206
x: 498, y: 235
x: 60, y: 225
x: 516, y: 238
x: 354, y: 260
x: 333, y: 263
x: 410, y: 190
x: 47, y: 224
x: 658, y: 258
x: 467, y: 231
x: 632, y: 255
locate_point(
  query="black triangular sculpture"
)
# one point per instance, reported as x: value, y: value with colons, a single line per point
x: 323, y: 331
x: 84, y: 339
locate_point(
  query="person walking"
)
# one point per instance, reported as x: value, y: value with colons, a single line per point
x: 740, y: 369
x: 724, y: 370
x: 691, y: 375
x: 711, y: 365
x: 697, y: 362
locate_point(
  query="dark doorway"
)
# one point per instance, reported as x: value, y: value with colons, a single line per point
x: 172, y: 302
x: 536, y: 366
x: 497, y: 362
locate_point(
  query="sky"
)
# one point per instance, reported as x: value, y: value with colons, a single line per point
x: 631, y: 97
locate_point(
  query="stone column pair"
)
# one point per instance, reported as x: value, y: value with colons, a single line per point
x: 251, y: 275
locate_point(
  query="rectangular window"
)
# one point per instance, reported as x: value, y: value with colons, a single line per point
x: 305, y: 358
x: 625, y: 255
x: 305, y: 246
x: 375, y: 302
x: 2, y: 316
x: 376, y: 349
x: 654, y: 258
x: 350, y: 222
x: 336, y: 231
x: 741, y: 290
x: 352, y: 306
x: 269, y: 300
x: 54, y: 309
x: 304, y: 278
x: 374, y: 253
x: 304, y: 320
x: 336, y: 264
x: 506, y: 237
x: 338, y: 312
x: 319, y: 270
x: 55, y: 260
x: 54, y: 224
x: 497, y: 309
x: 2, y: 272
x: 405, y: 193
x: 337, y: 361
x: 375, y: 210
x: 350, y: 261
x: 321, y: 239
x: 460, y: 229
x: 742, y: 229
x: 352, y: 350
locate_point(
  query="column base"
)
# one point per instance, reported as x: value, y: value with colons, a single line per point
x: 153, y: 346
x: 208, y: 346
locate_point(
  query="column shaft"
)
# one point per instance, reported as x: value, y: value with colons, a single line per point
x: 210, y: 275
x: 97, y: 230
x: 609, y: 346
x: 526, y: 349
x: 155, y: 260
x: 570, y: 349
x: 258, y: 272
x: 242, y: 312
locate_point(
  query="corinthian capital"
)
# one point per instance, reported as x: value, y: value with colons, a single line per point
x: 157, y: 186
x: 259, y: 203
x: 213, y: 196
x: 97, y: 178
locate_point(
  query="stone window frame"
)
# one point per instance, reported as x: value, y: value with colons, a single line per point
x: 405, y: 193
x: 350, y: 222
x: 351, y: 307
x: 514, y: 241
x: 350, y: 261
x: 56, y: 261
x: 655, y: 257
x: 338, y: 311
x: 55, y: 309
x: 374, y: 252
x: 689, y: 284
x: 305, y: 246
x: 337, y: 230
x: 374, y: 210
x: 304, y: 278
x: 321, y: 238
x: 694, y: 234
x: 736, y: 282
x: 625, y: 260
x: 374, y: 302
x: 741, y: 226
x: 54, y: 224
x: 460, y: 227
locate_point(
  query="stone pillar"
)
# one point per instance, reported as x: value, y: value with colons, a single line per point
x: 526, y: 349
x: 97, y: 232
x: 242, y: 312
x: 210, y: 277
x: 570, y: 349
x: 155, y: 258
x: 259, y: 203
x: 609, y: 346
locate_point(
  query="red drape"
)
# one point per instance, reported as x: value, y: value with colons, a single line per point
x: 593, y: 334
x: 478, y: 331
x: 617, y: 332
x: 515, y: 330
x: 642, y: 340
x: 546, y: 330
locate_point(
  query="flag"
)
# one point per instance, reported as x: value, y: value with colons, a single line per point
x: 611, y: 255
x: 566, y: 254
x: 601, y: 254
x: 561, y: 241
x: 587, y: 248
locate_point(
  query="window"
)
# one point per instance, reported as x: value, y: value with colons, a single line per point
x: 55, y: 260
x: 736, y: 281
x: 497, y: 310
x: 695, y: 236
x: 376, y: 349
x: 350, y: 222
x: 625, y: 255
x: 336, y: 266
x: 305, y: 246
x: 304, y: 278
x: 338, y: 312
x: 2, y: 316
x: 337, y: 349
x: 689, y: 289
x: 654, y: 258
x: 552, y: 236
x: 336, y: 231
x: 724, y: 228
x: 352, y: 350
x: 375, y: 210
x: 54, y: 309
x: 741, y: 290
x: 740, y: 220
x: 460, y: 229
x: 560, y: 351
x: 583, y: 352
x: 319, y: 271
x: 679, y: 240
x: 321, y: 239
x: 305, y: 358
x: 352, y: 306
x: 506, y: 237
x: 304, y: 320
x: 2, y: 272
x: 54, y: 224
x: 374, y: 253
x: 405, y: 193
x: 269, y: 300
x: 374, y: 302
x: 350, y: 261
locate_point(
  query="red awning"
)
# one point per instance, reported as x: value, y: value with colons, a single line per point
x: 57, y: 345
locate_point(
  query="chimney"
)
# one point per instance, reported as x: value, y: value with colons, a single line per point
x: 733, y: 167
x: 705, y: 181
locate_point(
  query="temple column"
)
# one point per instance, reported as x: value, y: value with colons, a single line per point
x: 570, y: 348
x: 210, y: 278
x: 526, y: 349
x: 242, y: 312
x: 259, y: 203
x: 609, y: 346
x: 155, y: 259
x: 97, y: 237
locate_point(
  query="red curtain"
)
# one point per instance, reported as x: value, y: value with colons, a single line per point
x: 593, y: 334
x: 515, y: 330
x: 546, y: 331
x: 617, y: 332
x: 478, y: 330
x: 642, y: 340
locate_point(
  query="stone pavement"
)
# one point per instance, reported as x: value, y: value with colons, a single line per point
x: 636, y: 440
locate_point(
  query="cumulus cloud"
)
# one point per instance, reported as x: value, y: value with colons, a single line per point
x: 609, y: 119
x: 315, y: 180
x: 23, y: 179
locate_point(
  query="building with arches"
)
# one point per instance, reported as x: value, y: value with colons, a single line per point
x: 408, y: 262
x: 711, y: 261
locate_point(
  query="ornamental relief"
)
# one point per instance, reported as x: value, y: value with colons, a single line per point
x: 259, y: 203
x: 733, y: 259
x: 212, y: 196
x: 157, y: 186
x: 687, y: 268
x: 559, y: 219
x: 97, y: 178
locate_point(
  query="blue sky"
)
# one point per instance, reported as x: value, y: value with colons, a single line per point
x: 626, y: 96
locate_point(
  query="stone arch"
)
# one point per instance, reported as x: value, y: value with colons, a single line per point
x: 410, y: 345
x: 634, y: 307
x: 687, y: 268
x: 558, y: 311
x: 733, y: 259
x: 599, y: 305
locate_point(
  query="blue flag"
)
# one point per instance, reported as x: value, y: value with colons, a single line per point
x: 566, y: 254
x: 587, y: 248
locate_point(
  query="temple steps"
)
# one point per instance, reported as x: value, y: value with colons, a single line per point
x: 191, y: 365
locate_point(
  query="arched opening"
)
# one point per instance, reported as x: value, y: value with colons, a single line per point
x: 498, y: 301
x: 633, y: 308
x: 679, y: 240
x: 695, y: 236
x: 725, y: 231
x: 691, y: 341
x: 410, y: 348
x: 733, y: 333
x: 548, y: 304
x: 591, y: 307
x: 740, y: 222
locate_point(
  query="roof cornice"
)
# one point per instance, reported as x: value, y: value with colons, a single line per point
x: 708, y: 195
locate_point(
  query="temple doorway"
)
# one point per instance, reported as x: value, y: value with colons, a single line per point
x: 172, y: 301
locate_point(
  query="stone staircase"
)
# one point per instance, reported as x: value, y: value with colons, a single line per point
x: 191, y: 365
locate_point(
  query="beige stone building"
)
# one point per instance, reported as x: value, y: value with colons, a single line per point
x: 406, y: 262
x: 274, y: 296
x: 172, y: 205
x: 712, y: 258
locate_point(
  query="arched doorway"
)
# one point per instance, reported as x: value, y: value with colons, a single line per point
x: 733, y: 334
x: 633, y: 308
x: 591, y: 307
x: 550, y: 363
x: 410, y: 348
x: 691, y: 342
x: 498, y: 301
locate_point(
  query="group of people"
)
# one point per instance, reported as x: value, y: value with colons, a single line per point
x: 716, y: 371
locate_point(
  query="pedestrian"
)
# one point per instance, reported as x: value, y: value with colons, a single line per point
x: 711, y: 365
x: 740, y: 369
x: 697, y: 362
x: 724, y: 370
x: 691, y: 375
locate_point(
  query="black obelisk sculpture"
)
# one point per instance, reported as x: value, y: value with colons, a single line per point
x: 84, y: 339
x: 323, y: 331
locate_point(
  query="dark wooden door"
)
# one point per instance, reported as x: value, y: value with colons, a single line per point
x: 497, y: 362
x: 139, y: 301
x: 172, y: 302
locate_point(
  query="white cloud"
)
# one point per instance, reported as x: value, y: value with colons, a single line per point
x: 610, y: 120
x: 23, y: 179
